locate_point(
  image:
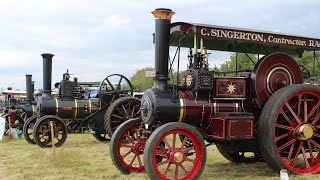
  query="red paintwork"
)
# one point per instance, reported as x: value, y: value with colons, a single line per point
x: 265, y: 66
x: 222, y: 87
x: 285, y: 139
x: 12, y: 113
x: 240, y: 129
x: 217, y: 128
x: 134, y: 147
x: 169, y: 151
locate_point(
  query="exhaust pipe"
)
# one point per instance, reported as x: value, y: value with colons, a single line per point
x: 47, y: 73
x: 29, y: 88
x: 162, y: 39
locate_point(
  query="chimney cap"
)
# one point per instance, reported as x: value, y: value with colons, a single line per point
x: 163, y: 13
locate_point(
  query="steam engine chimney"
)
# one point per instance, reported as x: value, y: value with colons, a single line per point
x: 162, y: 37
x: 29, y: 88
x: 47, y: 73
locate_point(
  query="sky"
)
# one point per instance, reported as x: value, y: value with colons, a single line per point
x: 96, y: 38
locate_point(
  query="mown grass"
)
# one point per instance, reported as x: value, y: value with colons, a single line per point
x: 83, y: 157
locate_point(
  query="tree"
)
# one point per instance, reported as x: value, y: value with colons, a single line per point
x: 140, y: 81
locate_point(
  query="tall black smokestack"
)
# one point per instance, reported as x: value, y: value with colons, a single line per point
x: 162, y: 38
x: 29, y: 88
x: 47, y: 73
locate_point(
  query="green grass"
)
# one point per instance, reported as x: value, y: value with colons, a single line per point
x: 83, y: 157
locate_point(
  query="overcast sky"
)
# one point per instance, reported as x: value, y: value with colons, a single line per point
x: 95, y: 38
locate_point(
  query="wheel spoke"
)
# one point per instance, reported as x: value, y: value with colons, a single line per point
x: 134, y: 158
x: 286, y: 144
x: 183, y: 169
x: 281, y: 137
x: 130, y: 139
x: 125, y: 110
x: 176, y: 171
x: 305, y: 157
x: 126, y: 145
x: 314, y: 143
x: 174, y: 140
x: 166, y: 142
x: 305, y: 110
x: 292, y: 112
x: 132, y: 112
x: 162, y: 153
x: 310, y: 149
x: 284, y: 127
x: 290, y: 153
x: 316, y: 119
x: 163, y: 162
x: 190, y: 160
x: 139, y: 160
x: 285, y: 116
x: 166, y: 170
x: 126, y: 154
x: 184, y: 142
x: 297, y: 153
x: 299, y: 105
x: 313, y: 109
x: 316, y: 135
x: 188, y: 149
x: 117, y: 116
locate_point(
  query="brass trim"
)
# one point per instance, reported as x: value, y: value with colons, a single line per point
x: 228, y: 78
x: 75, y: 108
x: 272, y: 71
x: 229, y: 98
x: 215, y: 107
x: 181, y: 109
x: 57, y: 106
x: 89, y: 105
x: 163, y: 14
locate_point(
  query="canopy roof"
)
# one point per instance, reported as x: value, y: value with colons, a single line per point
x: 240, y: 40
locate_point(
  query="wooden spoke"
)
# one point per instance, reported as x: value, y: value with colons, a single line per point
x: 126, y: 154
x: 305, y: 110
x: 163, y: 162
x: 183, y: 142
x: 310, y: 150
x: 190, y: 160
x: 130, y: 139
x: 305, y: 157
x: 134, y: 158
x: 313, y: 109
x: 166, y: 170
x: 126, y: 145
x: 299, y: 105
x: 139, y: 160
x: 166, y: 142
x: 117, y: 116
x: 176, y: 171
x: 314, y: 143
x: 316, y: 119
x: 290, y: 153
x: 188, y: 149
x: 162, y: 153
x: 316, y: 135
x: 124, y: 109
x: 174, y: 140
x: 183, y: 169
x: 297, y: 153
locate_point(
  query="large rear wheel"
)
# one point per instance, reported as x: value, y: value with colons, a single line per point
x: 178, y: 160
x: 289, y: 129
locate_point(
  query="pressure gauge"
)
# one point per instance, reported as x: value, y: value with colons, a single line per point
x: 189, y: 80
x: 183, y: 80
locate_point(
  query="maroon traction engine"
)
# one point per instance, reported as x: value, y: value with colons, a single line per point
x: 265, y: 114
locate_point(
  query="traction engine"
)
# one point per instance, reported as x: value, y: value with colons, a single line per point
x: 266, y: 114
x: 71, y: 111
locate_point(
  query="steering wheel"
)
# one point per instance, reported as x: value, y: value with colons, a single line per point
x: 305, y: 72
x: 109, y: 92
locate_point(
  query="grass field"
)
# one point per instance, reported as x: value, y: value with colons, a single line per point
x: 83, y: 157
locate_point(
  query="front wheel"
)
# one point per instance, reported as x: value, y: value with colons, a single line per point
x: 289, y: 129
x: 28, y: 129
x: 42, y: 131
x: 178, y: 160
x: 126, y: 147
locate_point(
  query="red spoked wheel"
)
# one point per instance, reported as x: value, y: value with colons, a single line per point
x: 126, y: 147
x: 178, y: 160
x: 289, y: 129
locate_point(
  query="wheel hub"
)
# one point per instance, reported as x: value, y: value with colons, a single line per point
x: 304, y: 132
x: 178, y: 157
x: 138, y: 147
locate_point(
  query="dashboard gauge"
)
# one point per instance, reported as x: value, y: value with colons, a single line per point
x: 183, y: 80
x: 189, y: 80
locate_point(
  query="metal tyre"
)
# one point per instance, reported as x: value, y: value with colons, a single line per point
x: 238, y: 157
x: 178, y: 161
x: 101, y: 137
x: 28, y: 129
x: 126, y: 147
x: 42, y: 131
x: 289, y: 129
x: 120, y: 111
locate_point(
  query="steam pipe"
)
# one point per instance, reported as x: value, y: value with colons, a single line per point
x: 162, y: 39
x: 29, y: 88
x: 47, y: 73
